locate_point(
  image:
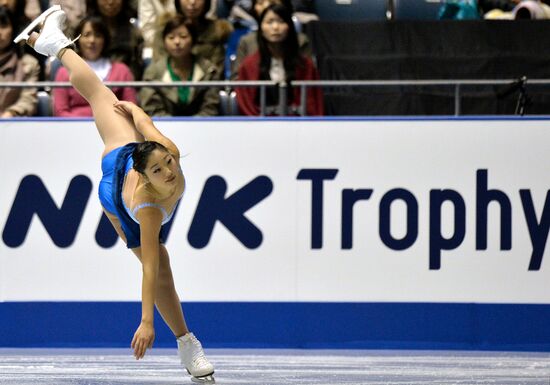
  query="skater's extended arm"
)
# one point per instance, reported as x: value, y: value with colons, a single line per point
x: 150, y: 219
x: 144, y: 125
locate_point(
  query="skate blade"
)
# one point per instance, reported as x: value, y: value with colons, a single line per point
x: 24, y: 35
x: 204, y: 380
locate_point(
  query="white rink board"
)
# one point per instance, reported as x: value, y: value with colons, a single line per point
x: 417, y: 156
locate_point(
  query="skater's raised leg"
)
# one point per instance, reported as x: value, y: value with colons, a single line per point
x: 115, y: 130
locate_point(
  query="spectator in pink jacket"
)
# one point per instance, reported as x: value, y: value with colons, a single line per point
x: 92, y: 46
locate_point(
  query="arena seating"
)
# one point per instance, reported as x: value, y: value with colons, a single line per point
x: 409, y: 50
x: 414, y: 9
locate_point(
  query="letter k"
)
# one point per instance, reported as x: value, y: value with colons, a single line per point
x: 213, y: 206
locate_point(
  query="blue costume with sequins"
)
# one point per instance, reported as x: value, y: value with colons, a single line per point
x: 115, y: 165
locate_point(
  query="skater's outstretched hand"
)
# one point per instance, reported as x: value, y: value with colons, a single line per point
x: 143, y: 339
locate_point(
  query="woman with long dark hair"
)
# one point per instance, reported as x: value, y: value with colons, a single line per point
x: 278, y: 59
x: 248, y: 44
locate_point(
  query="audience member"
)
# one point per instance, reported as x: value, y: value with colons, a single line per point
x: 486, y: 6
x: 24, y: 11
x: 531, y: 10
x: 75, y: 11
x: 248, y: 44
x: 92, y: 46
x: 278, y: 59
x: 148, y: 13
x: 18, y: 67
x: 127, y: 43
x: 178, y: 63
x: 241, y: 13
x: 515, y: 9
x: 459, y: 10
x: 254, y: 9
x: 211, y: 34
x: 32, y: 8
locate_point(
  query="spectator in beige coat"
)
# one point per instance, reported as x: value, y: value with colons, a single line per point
x: 149, y: 12
x: 211, y: 34
x: 179, y: 64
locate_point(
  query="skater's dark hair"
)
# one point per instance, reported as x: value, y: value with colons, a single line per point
x: 141, y: 154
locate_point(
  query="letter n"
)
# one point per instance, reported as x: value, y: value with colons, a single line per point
x: 60, y: 223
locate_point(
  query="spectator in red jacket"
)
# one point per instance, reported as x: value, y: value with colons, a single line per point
x: 92, y: 46
x: 278, y: 59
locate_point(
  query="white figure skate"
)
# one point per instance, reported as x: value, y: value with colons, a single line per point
x: 193, y: 359
x: 51, y: 39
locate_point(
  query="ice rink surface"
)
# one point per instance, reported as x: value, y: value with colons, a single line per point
x: 161, y: 367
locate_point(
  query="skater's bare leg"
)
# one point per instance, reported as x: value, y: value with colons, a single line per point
x: 115, y: 130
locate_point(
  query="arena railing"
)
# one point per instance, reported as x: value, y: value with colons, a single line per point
x: 509, y: 85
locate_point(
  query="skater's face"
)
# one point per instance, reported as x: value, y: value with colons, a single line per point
x: 274, y: 28
x: 178, y: 42
x: 91, y: 42
x: 161, y: 169
x: 6, y: 33
x: 109, y: 8
x: 193, y: 9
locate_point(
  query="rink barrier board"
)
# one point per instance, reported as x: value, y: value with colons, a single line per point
x: 91, y: 322
x: 513, y: 327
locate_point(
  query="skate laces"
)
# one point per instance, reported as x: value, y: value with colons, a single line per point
x: 58, y: 29
x: 198, y: 358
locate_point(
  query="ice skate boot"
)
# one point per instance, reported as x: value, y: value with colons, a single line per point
x: 51, y: 39
x: 193, y: 359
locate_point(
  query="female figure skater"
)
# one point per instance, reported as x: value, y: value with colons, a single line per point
x: 141, y: 186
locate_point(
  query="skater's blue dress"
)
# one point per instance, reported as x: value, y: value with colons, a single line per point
x: 115, y: 165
